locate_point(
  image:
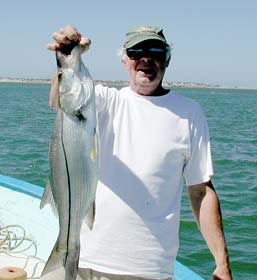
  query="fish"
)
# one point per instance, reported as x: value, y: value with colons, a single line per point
x: 74, y: 163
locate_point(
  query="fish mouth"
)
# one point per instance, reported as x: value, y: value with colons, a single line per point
x: 70, y: 59
x: 66, y: 49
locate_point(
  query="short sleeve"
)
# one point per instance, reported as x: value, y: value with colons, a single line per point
x: 100, y: 97
x: 198, y: 167
x: 105, y: 97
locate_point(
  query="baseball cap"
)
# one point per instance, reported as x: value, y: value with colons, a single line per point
x: 144, y: 33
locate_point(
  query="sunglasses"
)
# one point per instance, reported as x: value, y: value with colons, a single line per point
x: 155, y: 53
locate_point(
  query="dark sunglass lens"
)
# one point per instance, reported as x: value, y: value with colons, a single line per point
x: 157, y: 53
x: 134, y: 53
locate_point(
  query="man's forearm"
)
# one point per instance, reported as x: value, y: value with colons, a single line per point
x: 205, y: 205
x: 210, y: 223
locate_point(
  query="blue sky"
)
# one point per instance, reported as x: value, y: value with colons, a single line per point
x: 214, y: 42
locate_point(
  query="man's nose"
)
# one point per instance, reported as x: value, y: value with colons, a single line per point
x: 146, y: 59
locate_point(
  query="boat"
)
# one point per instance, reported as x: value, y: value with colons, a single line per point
x: 28, y: 233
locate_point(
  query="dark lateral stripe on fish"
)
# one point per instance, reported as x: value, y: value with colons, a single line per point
x: 69, y: 189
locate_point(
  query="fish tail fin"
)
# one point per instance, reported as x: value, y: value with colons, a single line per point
x: 71, y: 265
x: 58, y: 274
x: 62, y: 265
x: 55, y: 261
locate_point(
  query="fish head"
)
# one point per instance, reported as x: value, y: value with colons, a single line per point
x: 68, y: 66
x: 74, y: 83
x: 70, y: 60
x: 66, y: 78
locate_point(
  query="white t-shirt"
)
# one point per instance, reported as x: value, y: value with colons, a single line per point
x: 147, y: 144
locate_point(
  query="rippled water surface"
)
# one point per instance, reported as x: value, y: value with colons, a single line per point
x: 25, y: 128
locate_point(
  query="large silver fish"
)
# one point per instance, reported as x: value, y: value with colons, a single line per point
x: 73, y: 156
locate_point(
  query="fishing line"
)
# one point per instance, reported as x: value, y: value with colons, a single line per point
x: 14, y: 243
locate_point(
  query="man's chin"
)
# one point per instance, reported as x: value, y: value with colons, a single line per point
x: 145, y: 86
x: 146, y: 77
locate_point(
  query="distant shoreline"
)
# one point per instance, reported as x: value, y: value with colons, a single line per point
x: 125, y: 83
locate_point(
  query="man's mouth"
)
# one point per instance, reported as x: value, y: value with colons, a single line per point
x: 149, y: 71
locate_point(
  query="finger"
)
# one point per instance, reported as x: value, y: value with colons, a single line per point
x: 53, y: 96
x: 60, y: 38
x: 52, y: 47
x: 84, y: 44
x: 71, y: 33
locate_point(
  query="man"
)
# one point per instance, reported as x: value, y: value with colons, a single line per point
x: 150, y: 139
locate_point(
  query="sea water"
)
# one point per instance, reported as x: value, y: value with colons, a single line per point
x: 25, y: 128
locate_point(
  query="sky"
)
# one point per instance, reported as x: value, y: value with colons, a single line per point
x: 214, y: 42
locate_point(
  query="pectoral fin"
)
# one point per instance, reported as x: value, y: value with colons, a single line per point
x: 48, y: 198
x: 94, y: 148
x: 90, y: 216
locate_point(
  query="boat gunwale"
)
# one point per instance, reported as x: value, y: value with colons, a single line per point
x: 21, y: 186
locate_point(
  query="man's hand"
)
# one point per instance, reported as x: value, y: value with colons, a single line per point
x: 68, y: 37
x: 222, y: 273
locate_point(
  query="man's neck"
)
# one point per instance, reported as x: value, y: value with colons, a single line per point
x: 146, y: 91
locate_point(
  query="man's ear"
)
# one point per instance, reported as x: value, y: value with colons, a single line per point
x: 124, y: 62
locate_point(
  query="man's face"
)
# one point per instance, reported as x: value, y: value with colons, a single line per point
x: 146, y: 64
